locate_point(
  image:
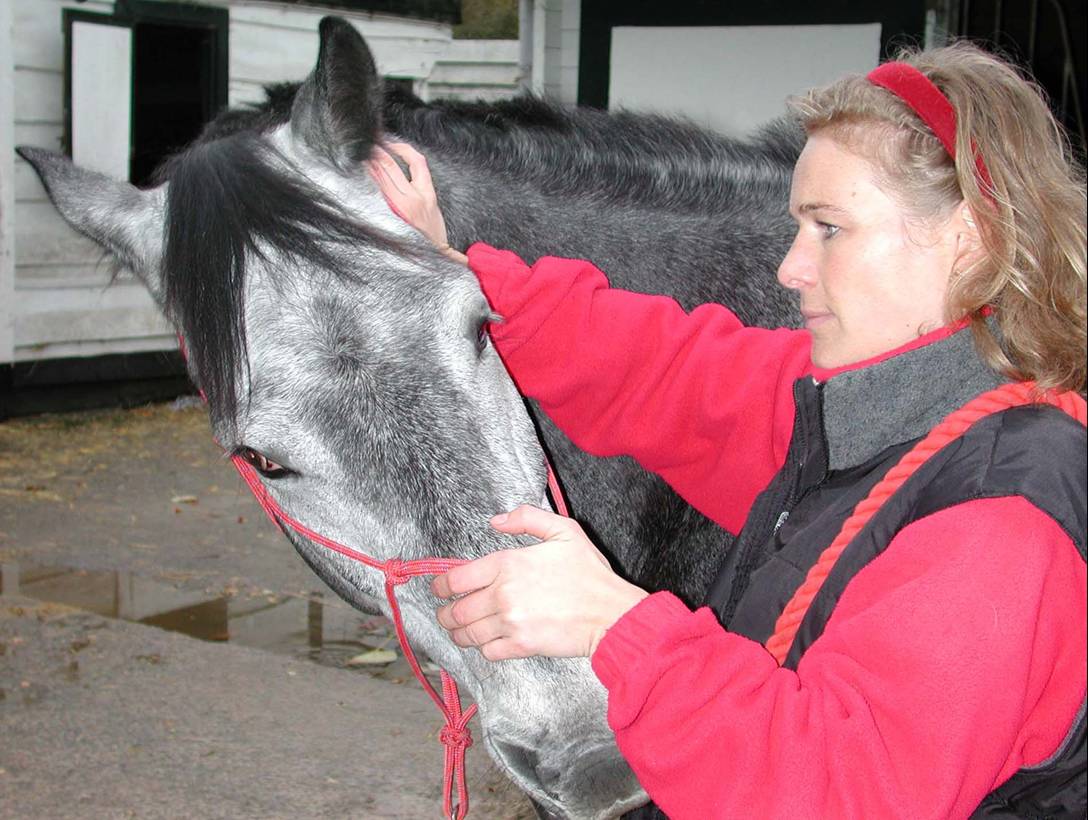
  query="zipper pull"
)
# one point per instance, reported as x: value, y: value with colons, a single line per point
x: 781, y: 520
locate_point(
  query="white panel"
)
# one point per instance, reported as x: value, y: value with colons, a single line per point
x: 734, y: 78
x: 101, y: 97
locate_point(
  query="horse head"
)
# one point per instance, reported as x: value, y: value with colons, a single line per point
x: 348, y: 362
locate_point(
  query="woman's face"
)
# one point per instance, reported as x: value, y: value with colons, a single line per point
x: 869, y: 282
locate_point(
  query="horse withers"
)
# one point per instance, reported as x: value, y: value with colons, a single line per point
x: 349, y: 364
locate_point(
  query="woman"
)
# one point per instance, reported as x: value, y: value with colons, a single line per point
x: 940, y: 670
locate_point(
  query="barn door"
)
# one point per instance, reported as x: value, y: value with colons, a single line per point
x: 142, y: 83
x: 98, y: 91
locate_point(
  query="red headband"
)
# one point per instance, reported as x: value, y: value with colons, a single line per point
x: 926, y: 100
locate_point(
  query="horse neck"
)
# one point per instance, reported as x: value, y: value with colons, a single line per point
x: 717, y: 211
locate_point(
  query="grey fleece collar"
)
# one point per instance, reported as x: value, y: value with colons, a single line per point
x: 901, y: 398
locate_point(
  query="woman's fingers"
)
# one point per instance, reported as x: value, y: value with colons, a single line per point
x: 393, y: 191
x: 467, y: 577
x: 413, y: 200
x: 479, y: 632
x: 469, y: 609
x: 526, y: 519
x: 385, y: 167
x: 417, y: 166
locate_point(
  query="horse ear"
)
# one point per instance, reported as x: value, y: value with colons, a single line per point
x: 337, y: 111
x: 120, y: 217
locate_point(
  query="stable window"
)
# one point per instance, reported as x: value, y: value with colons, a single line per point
x: 141, y: 84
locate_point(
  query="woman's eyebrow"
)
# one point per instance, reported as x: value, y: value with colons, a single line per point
x: 820, y: 206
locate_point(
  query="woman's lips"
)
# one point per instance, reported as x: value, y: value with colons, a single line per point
x: 814, y: 318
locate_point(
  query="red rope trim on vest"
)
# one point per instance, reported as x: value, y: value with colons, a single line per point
x: 994, y: 401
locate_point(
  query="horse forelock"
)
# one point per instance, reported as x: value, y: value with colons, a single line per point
x: 229, y: 202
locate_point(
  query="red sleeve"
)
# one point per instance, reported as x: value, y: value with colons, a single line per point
x: 952, y: 660
x: 695, y: 397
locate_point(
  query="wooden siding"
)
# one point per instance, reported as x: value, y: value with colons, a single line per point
x: 271, y: 43
x: 59, y: 276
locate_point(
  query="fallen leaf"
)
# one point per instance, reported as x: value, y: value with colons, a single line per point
x: 183, y: 499
x: 375, y: 657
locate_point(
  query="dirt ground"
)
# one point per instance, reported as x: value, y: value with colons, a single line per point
x: 165, y: 653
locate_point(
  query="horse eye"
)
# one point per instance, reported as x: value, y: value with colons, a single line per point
x: 261, y: 463
x: 482, y: 337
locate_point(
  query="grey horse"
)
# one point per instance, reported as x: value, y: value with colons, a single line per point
x: 349, y: 363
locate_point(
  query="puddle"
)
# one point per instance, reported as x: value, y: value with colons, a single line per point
x: 304, y: 628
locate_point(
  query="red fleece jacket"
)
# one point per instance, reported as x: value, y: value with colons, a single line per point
x: 952, y: 660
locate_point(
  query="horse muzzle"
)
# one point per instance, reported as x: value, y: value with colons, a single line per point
x: 585, y: 784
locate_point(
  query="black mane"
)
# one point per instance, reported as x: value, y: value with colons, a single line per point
x: 230, y: 197
x: 623, y: 157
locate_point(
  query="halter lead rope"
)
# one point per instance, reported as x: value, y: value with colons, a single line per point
x: 1014, y: 394
x: 455, y: 735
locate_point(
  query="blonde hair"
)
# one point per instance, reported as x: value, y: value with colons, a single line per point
x: 1031, y: 224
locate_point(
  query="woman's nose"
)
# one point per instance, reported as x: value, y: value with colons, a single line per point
x: 796, y: 269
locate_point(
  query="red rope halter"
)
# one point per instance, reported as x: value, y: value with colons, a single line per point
x: 993, y: 401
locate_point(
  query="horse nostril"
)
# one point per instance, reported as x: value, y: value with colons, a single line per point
x: 525, y: 765
x: 588, y: 782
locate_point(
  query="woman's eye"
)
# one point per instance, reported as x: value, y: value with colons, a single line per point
x: 827, y: 229
x: 261, y: 463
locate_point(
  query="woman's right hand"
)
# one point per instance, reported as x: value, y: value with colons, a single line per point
x: 413, y: 200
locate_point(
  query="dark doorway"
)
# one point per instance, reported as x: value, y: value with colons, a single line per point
x: 173, y: 95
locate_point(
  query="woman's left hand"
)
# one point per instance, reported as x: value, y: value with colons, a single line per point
x: 555, y: 598
x: 412, y: 198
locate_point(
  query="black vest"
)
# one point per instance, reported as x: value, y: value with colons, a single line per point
x: 847, y: 435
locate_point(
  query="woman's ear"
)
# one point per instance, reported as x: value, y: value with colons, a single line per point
x: 969, y: 248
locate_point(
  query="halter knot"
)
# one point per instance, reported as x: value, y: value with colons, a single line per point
x: 455, y: 737
x: 396, y: 572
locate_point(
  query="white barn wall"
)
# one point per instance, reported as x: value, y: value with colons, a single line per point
x: 54, y: 299
x: 272, y: 43
x: 61, y: 305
